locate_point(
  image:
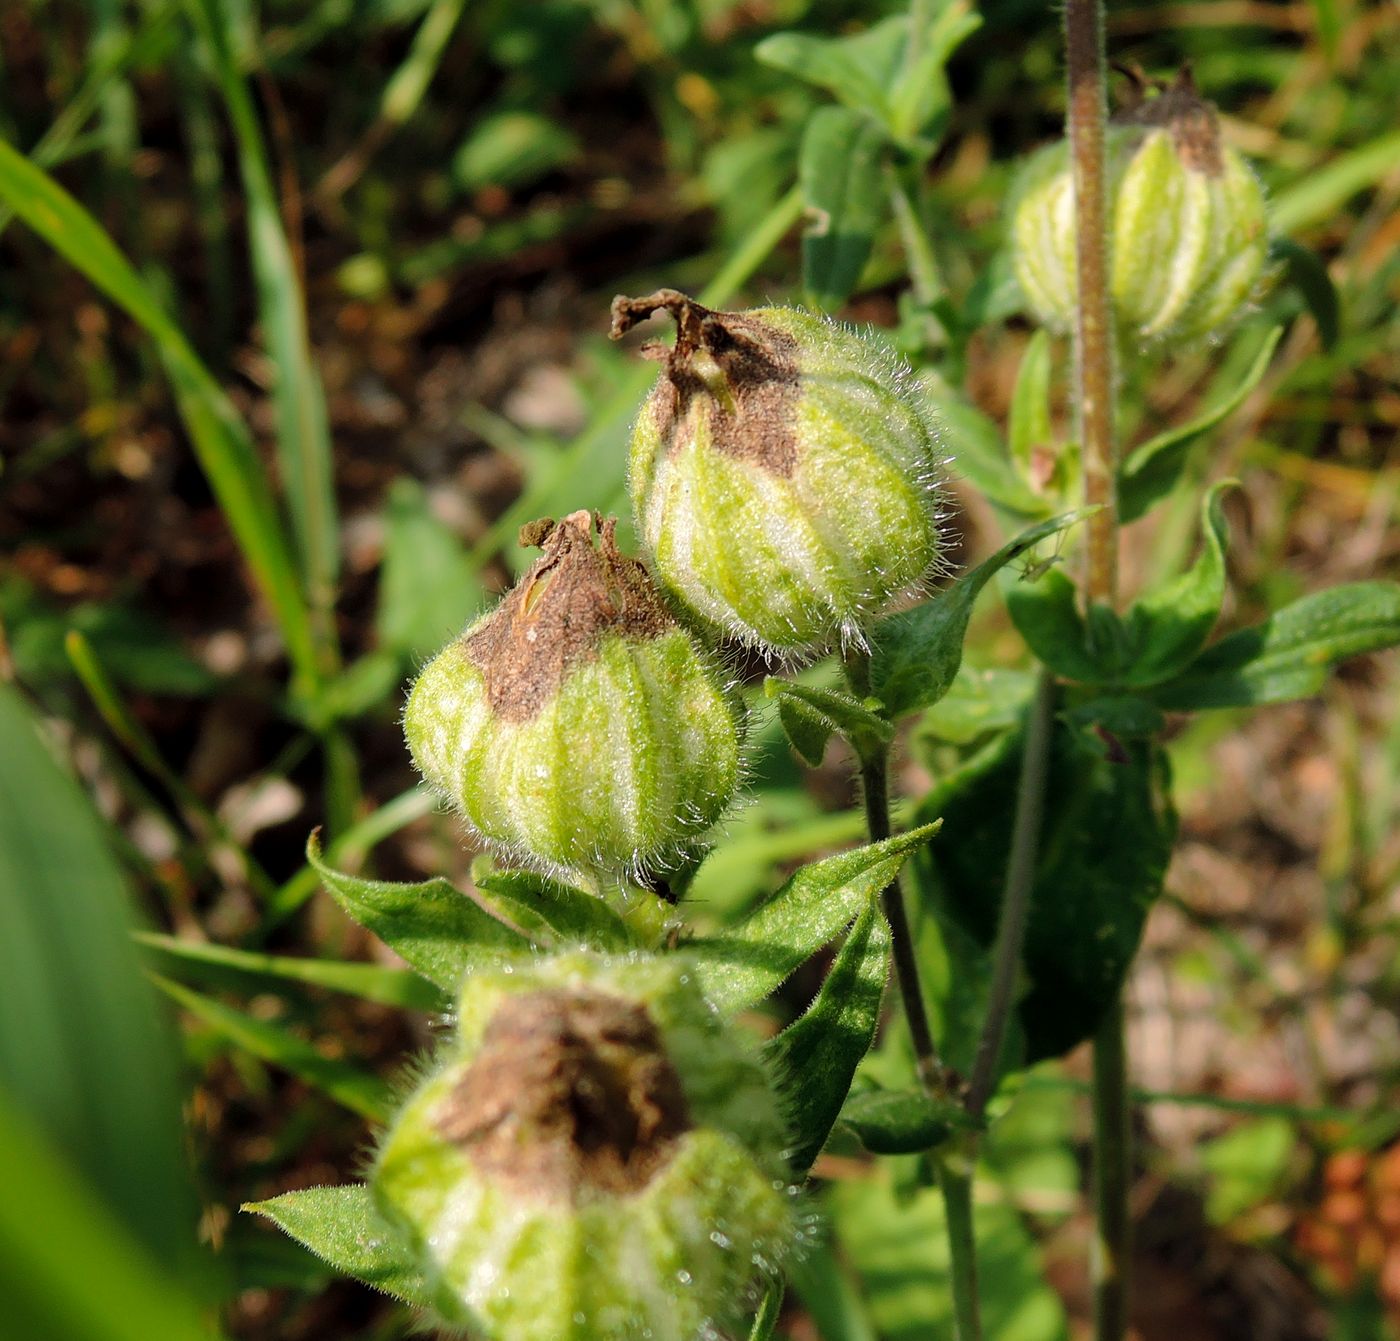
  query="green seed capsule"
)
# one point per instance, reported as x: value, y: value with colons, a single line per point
x: 599, y: 1157
x: 1188, y: 235
x: 783, y: 473
x: 577, y: 726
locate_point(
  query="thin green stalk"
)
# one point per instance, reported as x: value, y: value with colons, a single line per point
x: 955, y: 1181
x: 1016, y: 898
x: 918, y: 251
x: 1093, y: 347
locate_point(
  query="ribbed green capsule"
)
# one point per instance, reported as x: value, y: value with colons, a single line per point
x: 578, y: 726
x: 1188, y: 235
x: 598, y: 1156
x: 784, y: 473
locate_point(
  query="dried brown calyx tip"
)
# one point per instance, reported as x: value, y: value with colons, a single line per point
x: 744, y: 368
x: 1178, y: 108
x: 571, y: 1095
x: 555, y: 616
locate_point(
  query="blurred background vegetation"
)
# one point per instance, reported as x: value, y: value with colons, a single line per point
x: 306, y: 313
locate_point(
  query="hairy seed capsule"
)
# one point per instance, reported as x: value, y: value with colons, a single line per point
x: 599, y: 1156
x: 783, y: 472
x: 1188, y: 235
x: 577, y: 726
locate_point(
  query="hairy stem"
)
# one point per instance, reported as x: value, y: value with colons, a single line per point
x: 1093, y: 347
x: 956, y: 1184
x: 1016, y: 897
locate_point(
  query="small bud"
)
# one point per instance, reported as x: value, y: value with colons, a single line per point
x: 783, y: 472
x: 577, y: 726
x: 1188, y: 235
x: 599, y: 1157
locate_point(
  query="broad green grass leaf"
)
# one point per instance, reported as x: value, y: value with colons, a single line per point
x: 1105, y: 840
x: 840, y: 170
x: 1153, y: 469
x: 220, y: 966
x: 1169, y: 624
x: 1290, y: 654
x: 900, y: 1251
x: 743, y: 964
x: 1304, y: 269
x: 1029, y: 426
x: 303, y: 431
x: 816, y: 1056
x: 433, y: 926
x: 1320, y: 194
x: 220, y: 438
x: 568, y: 916
x: 342, y: 1226
x: 901, y: 1122
x: 84, y: 1049
x: 810, y: 715
x: 915, y: 654
x: 69, y: 1269
x: 357, y: 1090
x: 428, y: 586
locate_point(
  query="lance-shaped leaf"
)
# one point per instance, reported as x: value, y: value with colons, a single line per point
x: 341, y: 1226
x: 1169, y: 624
x: 1152, y: 469
x: 567, y: 916
x: 357, y: 1090
x: 841, y: 174
x: 222, y: 966
x: 916, y: 653
x: 1291, y: 653
x: 432, y: 925
x: 1029, y: 425
x: 810, y: 716
x: 902, y: 1122
x: 743, y: 964
x: 1304, y: 269
x: 816, y: 1056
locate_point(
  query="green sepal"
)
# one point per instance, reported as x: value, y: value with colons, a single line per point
x: 816, y: 1056
x: 902, y: 1122
x: 341, y: 1226
x: 1291, y: 653
x: 743, y: 964
x: 1151, y: 471
x: 840, y: 170
x: 1169, y: 624
x: 566, y: 917
x: 810, y: 716
x: 915, y: 654
x: 431, y: 925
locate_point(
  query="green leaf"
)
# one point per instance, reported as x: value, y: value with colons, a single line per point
x: 512, y: 148
x: 1105, y: 839
x: 977, y: 703
x: 219, y: 435
x: 900, y: 1250
x: 902, y: 1122
x: 342, y: 1226
x: 1303, y: 268
x: 1118, y: 714
x: 1169, y: 624
x: 69, y: 1269
x: 85, y: 1050
x: 810, y: 715
x: 743, y: 964
x: 566, y: 915
x: 433, y: 926
x: 1319, y: 194
x: 857, y: 70
x: 840, y: 171
x: 1248, y: 1166
x: 765, y: 1323
x: 1046, y: 615
x: 219, y: 965
x: 824, y: 1286
x: 1291, y: 653
x: 1029, y: 426
x: 915, y: 654
x: 920, y: 99
x: 356, y: 1090
x: 428, y: 586
x: 1152, y: 470
x: 816, y: 1056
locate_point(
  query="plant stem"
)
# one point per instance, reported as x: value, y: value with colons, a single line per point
x: 956, y: 1184
x: 918, y: 250
x: 1016, y: 898
x: 1112, y: 1177
x: 1084, y: 50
